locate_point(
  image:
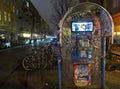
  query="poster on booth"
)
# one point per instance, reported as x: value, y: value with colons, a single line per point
x: 82, y: 75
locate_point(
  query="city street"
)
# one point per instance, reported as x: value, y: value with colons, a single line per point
x: 59, y: 44
x: 10, y: 60
x: 13, y: 76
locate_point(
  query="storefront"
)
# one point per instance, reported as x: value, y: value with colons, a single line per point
x: 116, y: 20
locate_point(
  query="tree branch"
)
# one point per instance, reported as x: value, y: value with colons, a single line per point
x: 59, y: 9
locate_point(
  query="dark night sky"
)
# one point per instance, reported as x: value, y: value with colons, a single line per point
x: 44, y: 8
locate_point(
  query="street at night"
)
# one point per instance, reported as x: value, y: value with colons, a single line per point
x: 14, y: 76
x: 59, y: 44
x: 11, y: 58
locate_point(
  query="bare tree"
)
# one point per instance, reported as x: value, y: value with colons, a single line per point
x: 59, y: 9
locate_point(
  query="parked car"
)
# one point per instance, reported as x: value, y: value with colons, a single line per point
x: 5, y: 44
x: 50, y: 41
x: 27, y: 41
x: 4, y: 39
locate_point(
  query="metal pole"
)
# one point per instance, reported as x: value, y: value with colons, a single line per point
x: 59, y: 61
x: 103, y: 43
x: 59, y: 73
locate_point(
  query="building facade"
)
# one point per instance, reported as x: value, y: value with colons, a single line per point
x: 7, y: 22
x: 7, y: 18
x: 113, y: 7
x: 18, y: 17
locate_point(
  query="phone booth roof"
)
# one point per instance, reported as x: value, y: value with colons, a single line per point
x: 90, y: 11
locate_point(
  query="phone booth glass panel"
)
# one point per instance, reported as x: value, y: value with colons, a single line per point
x: 83, y: 32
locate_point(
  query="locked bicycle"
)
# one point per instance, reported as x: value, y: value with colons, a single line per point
x: 40, y: 58
x: 35, y: 60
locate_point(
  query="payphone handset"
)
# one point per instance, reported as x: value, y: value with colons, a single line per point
x: 81, y: 36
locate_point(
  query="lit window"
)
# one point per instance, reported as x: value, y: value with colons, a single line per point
x: 118, y: 33
x: 0, y: 16
x: 115, y: 3
x: 9, y: 17
x: 27, y: 4
x: 5, y: 15
x: 13, y: 9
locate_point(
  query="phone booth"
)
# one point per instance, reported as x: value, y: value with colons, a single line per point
x: 83, y: 32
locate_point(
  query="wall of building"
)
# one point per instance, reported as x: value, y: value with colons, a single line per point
x: 113, y: 6
x: 7, y: 18
x: 20, y: 16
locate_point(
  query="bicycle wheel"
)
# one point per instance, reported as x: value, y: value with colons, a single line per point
x: 35, y: 61
x: 27, y: 62
x: 42, y: 63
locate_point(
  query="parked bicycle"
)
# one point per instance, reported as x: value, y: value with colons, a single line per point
x: 40, y: 58
x: 35, y: 60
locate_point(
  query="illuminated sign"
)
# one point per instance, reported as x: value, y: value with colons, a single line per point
x: 77, y: 26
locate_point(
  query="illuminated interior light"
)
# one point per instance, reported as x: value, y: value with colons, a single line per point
x: 26, y: 35
x: 118, y: 33
x: 114, y: 33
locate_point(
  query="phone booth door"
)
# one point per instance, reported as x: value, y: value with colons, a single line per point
x: 83, y: 32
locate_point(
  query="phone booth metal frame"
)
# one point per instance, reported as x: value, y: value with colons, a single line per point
x: 94, y: 63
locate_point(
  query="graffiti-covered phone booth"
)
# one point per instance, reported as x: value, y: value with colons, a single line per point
x: 84, y: 29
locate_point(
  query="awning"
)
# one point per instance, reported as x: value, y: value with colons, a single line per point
x: 117, y: 28
x: 116, y: 18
